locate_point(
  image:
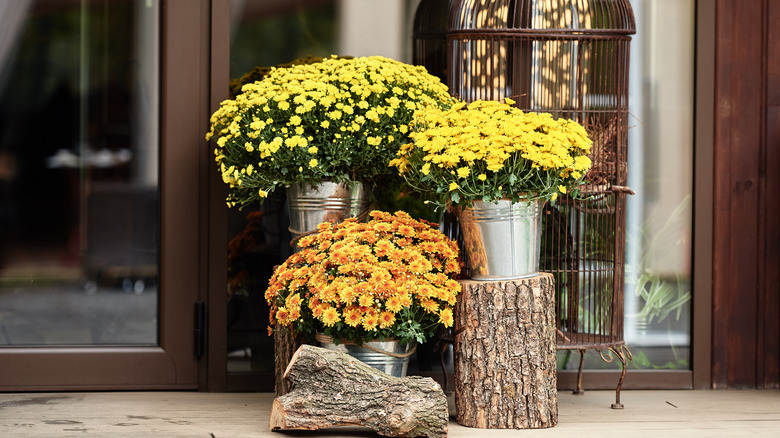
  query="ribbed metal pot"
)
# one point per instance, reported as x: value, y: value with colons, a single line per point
x: 502, y: 240
x: 327, y: 201
x: 377, y: 355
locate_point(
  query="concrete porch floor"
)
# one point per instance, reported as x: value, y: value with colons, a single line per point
x: 665, y: 414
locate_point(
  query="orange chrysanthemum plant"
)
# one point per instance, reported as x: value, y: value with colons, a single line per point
x: 389, y: 278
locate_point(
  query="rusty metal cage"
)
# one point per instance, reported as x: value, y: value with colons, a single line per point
x: 429, y: 36
x: 569, y: 58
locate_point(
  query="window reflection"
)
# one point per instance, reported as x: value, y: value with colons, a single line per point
x: 264, y: 34
x: 78, y: 172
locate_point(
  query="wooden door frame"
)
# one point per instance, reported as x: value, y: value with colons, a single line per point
x: 745, y: 329
x: 173, y: 364
x: 214, y: 374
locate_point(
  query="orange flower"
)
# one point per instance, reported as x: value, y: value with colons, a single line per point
x: 352, y: 316
x: 452, y: 267
x: 330, y: 316
x: 406, y: 230
x: 306, y: 241
x: 283, y: 316
x: 370, y: 321
x: 364, y: 275
x: 383, y: 227
x: 403, y: 242
x: 348, y: 294
x: 393, y: 303
x: 386, y: 319
x: 366, y: 300
x: 429, y: 305
x: 293, y: 301
x: 445, y: 317
x: 369, y: 236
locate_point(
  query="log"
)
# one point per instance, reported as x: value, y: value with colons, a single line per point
x: 330, y: 388
x: 505, y: 362
x: 285, y: 345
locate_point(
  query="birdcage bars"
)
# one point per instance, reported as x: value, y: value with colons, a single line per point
x: 568, y: 58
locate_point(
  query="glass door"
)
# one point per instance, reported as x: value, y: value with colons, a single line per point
x: 83, y: 243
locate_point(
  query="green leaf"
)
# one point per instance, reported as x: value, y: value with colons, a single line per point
x: 455, y: 197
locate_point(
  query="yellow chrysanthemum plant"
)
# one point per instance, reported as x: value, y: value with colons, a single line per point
x: 389, y: 278
x: 489, y: 151
x: 342, y: 119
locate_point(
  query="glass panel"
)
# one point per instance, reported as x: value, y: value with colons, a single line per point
x: 263, y: 34
x: 79, y: 214
x: 660, y: 171
x: 659, y: 219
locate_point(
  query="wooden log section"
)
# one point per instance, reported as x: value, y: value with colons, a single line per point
x: 505, y: 367
x: 330, y: 388
x: 285, y: 345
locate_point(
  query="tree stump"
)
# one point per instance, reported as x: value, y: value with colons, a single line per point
x: 285, y: 345
x: 330, y: 388
x: 505, y: 364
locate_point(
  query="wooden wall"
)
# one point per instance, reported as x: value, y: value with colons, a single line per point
x: 746, y: 195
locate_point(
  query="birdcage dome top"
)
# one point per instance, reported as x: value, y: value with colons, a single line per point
x: 580, y: 16
x: 432, y: 16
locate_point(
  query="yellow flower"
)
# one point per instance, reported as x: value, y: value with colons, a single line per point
x: 330, y: 316
x: 370, y: 321
x: 445, y: 317
x: 453, y: 186
x: 482, y: 177
x: 562, y: 189
x: 386, y: 319
x: 370, y: 98
x: 463, y: 172
x: 352, y: 317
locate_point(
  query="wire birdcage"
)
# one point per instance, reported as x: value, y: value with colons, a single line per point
x: 429, y: 36
x: 569, y: 58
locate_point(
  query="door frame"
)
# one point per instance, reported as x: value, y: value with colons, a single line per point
x: 184, y: 114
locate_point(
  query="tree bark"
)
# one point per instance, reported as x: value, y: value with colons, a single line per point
x: 330, y: 388
x: 285, y: 345
x: 505, y: 364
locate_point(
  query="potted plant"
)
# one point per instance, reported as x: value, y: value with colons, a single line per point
x: 495, y: 165
x: 388, y: 280
x: 340, y: 120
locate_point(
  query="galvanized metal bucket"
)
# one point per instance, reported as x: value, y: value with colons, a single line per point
x: 502, y: 240
x: 390, y: 357
x: 327, y: 201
